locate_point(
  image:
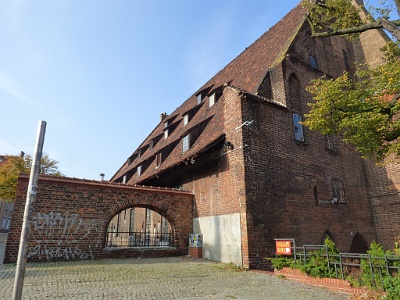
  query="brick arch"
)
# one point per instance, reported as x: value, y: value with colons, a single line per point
x: 71, y: 216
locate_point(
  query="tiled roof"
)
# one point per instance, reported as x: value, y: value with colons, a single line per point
x: 245, y: 72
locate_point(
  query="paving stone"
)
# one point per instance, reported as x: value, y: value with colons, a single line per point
x: 159, y: 278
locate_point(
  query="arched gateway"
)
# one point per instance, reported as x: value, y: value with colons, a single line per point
x: 72, y: 218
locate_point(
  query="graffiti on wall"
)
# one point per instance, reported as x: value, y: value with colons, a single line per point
x: 59, y: 234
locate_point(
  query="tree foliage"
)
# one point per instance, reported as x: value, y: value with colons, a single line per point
x: 362, y: 108
x: 14, y: 165
x: 341, y: 17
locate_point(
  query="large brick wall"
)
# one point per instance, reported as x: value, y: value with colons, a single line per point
x: 70, y: 218
x: 383, y: 188
x: 288, y: 183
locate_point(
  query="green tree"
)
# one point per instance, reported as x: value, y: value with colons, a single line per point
x: 362, y: 109
x: 341, y: 17
x: 14, y: 165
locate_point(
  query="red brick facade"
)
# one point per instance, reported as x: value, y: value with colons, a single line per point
x: 70, y: 218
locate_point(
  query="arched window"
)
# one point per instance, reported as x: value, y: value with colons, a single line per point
x: 139, y: 227
x: 358, y: 244
x: 294, y: 94
x: 327, y: 234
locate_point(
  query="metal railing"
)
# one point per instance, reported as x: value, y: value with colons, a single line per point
x: 139, y: 239
x: 344, y: 264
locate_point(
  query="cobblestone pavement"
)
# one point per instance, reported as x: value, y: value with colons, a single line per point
x: 161, y: 278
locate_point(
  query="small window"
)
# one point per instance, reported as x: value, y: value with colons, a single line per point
x: 158, y: 160
x: 129, y: 161
x: 211, y: 100
x: 313, y: 61
x: 330, y: 143
x: 139, y: 153
x: 166, y: 124
x: 124, y: 179
x: 185, y: 119
x: 139, y: 170
x: 165, y: 134
x: 346, y: 59
x: 337, y: 191
x: 199, y: 98
x: 298, y: 128
x: 151, y: 144
x: 186, y: 143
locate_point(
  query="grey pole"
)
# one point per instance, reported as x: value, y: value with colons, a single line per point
x: 30, y: 200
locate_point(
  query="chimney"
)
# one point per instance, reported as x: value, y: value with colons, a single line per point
x: 163, y: 116
x: 101, y: 176
x: 22, y: 154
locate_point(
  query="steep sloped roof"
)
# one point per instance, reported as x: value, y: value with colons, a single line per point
x: 245, y: 72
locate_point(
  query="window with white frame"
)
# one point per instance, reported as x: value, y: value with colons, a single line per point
x: 158, y: 160
x: 139, y: 170
x: 199, y: 98
x: 186, y: 143
x: 165, y: 134
x: 211, y: 100
x: 185, y: 119
x: 298, y: 128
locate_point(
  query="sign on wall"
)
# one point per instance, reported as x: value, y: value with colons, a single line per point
x: 283, y: 247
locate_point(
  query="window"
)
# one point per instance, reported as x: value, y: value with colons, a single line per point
x: 165, y: 134
x: 139, y: 170
x: 124, y: 179
x: 313, y: 62
x: 166, y: 124
x: 129, y: 161
x: 211, y: 100
x: 158, y: 160
x: 337, y: 191
x: 330, y: 143
x: 298, y: 128
x: 185, y: 119
x: 186, y: 143
x: 151, y: 145
x: 199, y: 98
x: 346, y: 59
x: 139, y: 153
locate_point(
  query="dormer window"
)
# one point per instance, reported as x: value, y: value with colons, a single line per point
x: 151, y: 144
x: 185, y: 119
x: 313, y: 61
x: 139, y: 153
x: 165, y: 134
x: 186, y: 143
x: 124, y: 179
x: 166, y: 123
x: 158, y: 160
x: 199, y: 98
x: 211, y: 100
x: 129, y: 161
x: 139, y: 170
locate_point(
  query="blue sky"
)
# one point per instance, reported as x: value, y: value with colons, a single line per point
x: 100, y: 72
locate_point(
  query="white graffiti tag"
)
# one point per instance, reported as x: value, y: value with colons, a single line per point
x: 59, y: 234
x: 43, y: 251
x: 69, y: 227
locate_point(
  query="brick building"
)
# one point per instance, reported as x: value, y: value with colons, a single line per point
x: 256, y: 172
